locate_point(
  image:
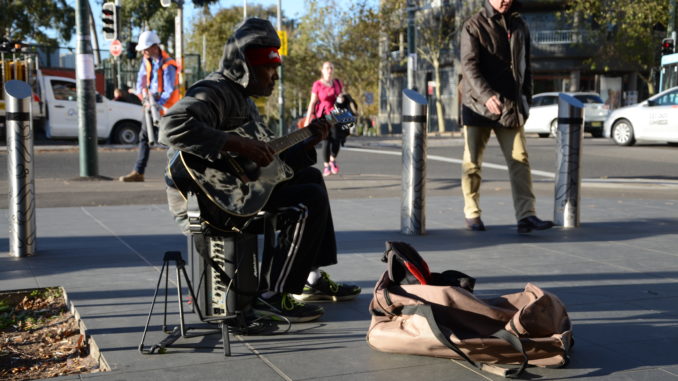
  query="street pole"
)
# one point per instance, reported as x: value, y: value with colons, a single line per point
x: 411, y: 52
x: 569, y: 137
x: 84, y: 73
x: 244, y: 10
x: 117, y: 37
x: 672, y: 19
x: 413, y: 199
x: 281, y: 86
x: 95, y: 38
x: 20, y: 169
x: 179, y: 34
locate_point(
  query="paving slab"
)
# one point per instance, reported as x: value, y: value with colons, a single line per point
x: 617, y: 274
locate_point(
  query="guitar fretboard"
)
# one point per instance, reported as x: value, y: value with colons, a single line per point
x: 281, y: 144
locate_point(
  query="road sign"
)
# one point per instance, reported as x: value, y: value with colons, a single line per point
x: 282, y: 34
x: 116, y: 48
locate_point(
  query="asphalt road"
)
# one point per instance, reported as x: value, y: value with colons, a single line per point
x: 370, y: 168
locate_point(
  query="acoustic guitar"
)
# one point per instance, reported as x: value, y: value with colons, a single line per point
x: 235, y: 184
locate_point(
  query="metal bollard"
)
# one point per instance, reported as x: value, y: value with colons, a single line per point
x: 413, y: 203
x: 20, y: 169
x: 568, y: 173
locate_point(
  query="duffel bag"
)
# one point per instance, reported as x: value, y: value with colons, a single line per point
x: 415, y: 311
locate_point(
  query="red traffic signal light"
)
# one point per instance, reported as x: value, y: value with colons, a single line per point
x: 668, y: 46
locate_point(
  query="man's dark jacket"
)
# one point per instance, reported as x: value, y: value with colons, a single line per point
x: 495, y: 60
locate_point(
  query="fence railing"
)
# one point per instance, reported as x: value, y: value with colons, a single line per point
x: 555, y: 37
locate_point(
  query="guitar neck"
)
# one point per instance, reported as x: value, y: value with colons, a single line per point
x: 281, y: 144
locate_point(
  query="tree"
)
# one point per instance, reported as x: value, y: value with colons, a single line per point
x: 624, y: 31
x: 436, y: 29
x: 359, y: 54
x: 346, y: 38
x: 28, y: 21
x: 147, y: 14
x: 309, y: 47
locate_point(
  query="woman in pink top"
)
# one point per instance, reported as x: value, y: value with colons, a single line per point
x: 323, y: 95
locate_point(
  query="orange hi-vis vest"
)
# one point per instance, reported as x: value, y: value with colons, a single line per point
x: 165, y: 62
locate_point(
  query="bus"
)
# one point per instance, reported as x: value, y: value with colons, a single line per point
x: 668, y: 73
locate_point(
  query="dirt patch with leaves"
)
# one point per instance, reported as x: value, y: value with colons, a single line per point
x: 40, y: 337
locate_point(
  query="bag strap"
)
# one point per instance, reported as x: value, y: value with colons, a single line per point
x: 426, y: 311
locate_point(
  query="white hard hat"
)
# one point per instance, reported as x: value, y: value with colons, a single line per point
x: 147, y: 39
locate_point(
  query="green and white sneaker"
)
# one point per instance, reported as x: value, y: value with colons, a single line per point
x: 284, y: 307
x: 325, y: 289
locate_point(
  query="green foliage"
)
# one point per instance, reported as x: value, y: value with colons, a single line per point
x: 349, y: 39
x: 145, y: 14
x: 359, y: 53
x: 623, y: 31
x: 326, y: 32
x: 27, y: 20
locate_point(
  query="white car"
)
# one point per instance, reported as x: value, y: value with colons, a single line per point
x: 655, y: 119
x: 118, y: 122
x: 543, y: 119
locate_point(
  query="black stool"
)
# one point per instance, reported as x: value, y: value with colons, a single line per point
x: 223, y: 304
x: 182, y: 329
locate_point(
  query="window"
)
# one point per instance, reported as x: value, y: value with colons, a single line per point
x: 64, y: 90
x: 589, y: 98
x: 549, y: 100
x: 669, y: 99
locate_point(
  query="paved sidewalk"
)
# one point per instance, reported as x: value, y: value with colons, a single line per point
x: 617, y: 274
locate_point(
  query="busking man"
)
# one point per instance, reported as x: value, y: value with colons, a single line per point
x: 201, y: 123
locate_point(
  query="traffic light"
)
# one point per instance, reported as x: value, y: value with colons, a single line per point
x: 108, y: 19
x: 668, y: 46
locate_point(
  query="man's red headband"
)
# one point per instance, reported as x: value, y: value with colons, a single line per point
x: 262, y: 56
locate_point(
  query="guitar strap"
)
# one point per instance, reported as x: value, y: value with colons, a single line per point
x: 196, y: 227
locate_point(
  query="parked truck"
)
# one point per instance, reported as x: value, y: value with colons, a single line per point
x: 54, y: 106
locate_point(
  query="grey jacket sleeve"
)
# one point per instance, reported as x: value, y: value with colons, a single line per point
x: 470, y: 66
x: 191, y: 125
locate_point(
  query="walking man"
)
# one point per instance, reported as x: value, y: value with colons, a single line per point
x: 496, y: 93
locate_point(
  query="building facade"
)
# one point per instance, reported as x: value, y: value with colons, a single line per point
x: 559, y: 53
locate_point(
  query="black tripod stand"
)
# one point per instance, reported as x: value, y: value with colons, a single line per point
x: 182, y: 330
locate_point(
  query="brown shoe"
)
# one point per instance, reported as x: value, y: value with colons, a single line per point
x: 132, y: 177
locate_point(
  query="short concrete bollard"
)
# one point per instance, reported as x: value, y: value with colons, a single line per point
x: 20, y: 169
x: 413, y: 202
x: 568, y: 162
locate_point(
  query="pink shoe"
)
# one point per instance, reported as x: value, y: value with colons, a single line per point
x: 326, y: 171
x: 334, y: 168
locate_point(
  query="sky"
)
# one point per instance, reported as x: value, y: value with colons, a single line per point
x: 291, y: 8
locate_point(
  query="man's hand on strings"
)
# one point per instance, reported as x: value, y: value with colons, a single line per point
x: 255, y: 150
